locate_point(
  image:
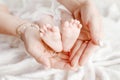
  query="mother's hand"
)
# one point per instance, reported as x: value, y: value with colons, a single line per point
x: 42, y: 53
x: 90, y: 35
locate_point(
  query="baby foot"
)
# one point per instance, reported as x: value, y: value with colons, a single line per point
x: 51, y: 36
x: 70, y: 32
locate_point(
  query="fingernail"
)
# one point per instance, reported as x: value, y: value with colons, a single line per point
x: 101, y: 43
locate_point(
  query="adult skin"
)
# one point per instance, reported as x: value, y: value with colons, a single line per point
x: 86, y: 12
x: 32, y: 41
x: 81, y: 11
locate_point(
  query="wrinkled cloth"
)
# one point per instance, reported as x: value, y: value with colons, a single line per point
x: 34, y: 10
x: 17, y: 64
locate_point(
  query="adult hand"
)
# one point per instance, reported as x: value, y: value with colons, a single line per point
x: 43, y: 54
x: 85, y: 11
x: 90, y: 36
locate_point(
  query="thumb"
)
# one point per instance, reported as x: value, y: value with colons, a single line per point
x: 95, y: 27
x: 91, y: 17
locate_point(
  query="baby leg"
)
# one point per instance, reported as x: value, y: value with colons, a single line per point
x: 70, y: 30
x: 45, y: 19
x: 49, y: 33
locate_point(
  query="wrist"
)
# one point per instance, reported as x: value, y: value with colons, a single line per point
x: 26, y: 28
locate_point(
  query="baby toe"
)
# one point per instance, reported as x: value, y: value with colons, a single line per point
x: 72, y: 21
x: 66, y: 24
x: 80, y: 26
x: 45, y: 28
x: 48, y: 26
x: 77, y: 22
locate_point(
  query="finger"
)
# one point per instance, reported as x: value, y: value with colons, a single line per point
x: 77, y: 15
x: 59, y: 63
x: 95, y: 30
x: 75, y: 48
x: 91, y: 18
x: 43, y: 60
x: 87, y: 54
x: 76, y: 58
x: 63, y: 56
x: 44, y: 28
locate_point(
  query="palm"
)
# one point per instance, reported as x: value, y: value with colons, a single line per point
x: 58, y: 61
x: 90, y: 32
x: 42, y: 53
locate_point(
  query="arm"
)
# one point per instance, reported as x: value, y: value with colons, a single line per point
x: 8, y: 22
x: 30, y: 37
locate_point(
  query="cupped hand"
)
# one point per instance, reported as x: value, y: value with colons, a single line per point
x: 42, y: 53
x: 90, y: 36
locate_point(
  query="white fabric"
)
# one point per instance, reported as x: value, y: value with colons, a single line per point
x: 35, y: 9
x: 42, y: 9
x: 32, y: 9
x: 2, y: 2
x: 15, y: 64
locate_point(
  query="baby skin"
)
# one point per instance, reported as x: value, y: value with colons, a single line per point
x: 60, y: 39
x: 49, y: 33
x: 70, y: 30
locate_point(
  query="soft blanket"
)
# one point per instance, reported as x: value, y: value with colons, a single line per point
x: 16, y: 64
